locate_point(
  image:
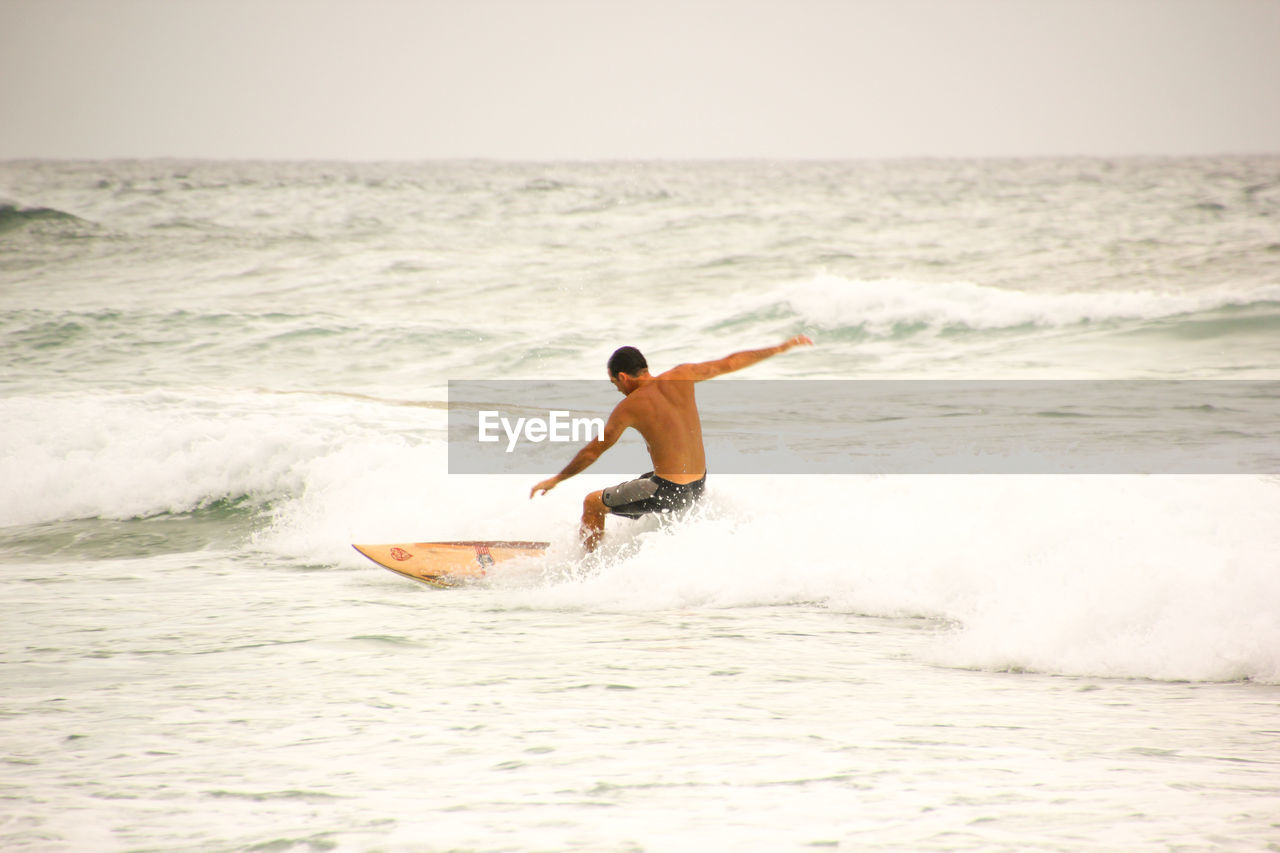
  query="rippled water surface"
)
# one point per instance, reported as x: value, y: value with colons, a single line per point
x: 219, y: 375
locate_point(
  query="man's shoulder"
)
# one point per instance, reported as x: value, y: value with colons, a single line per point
x: 640, y: 404
x: 689, y: 371
x: 627, y: 406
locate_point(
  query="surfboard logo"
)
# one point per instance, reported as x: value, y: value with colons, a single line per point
x: 483, y: 557
x: 400, y: 554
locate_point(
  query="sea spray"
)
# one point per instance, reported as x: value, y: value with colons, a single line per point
x: 1154, y: 577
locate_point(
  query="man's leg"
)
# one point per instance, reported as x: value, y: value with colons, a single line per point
x: 593, y: 513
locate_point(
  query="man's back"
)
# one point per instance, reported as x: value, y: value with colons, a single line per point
x: 665, y: 413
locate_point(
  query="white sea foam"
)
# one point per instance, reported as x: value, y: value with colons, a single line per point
x: 1160, y: 577
x: 881, y: 306
x: 121, y: 456
x: 1157, y: 577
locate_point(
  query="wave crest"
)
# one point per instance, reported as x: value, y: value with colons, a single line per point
x: 894, y: 308
x: 14, y: 216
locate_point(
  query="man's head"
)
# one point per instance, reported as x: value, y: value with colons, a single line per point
x: 625, y: 365
x: 627, y: 360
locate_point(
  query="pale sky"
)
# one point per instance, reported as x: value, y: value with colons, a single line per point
x: 606, y: 79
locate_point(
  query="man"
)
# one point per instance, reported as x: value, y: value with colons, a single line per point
x: 663, y: 410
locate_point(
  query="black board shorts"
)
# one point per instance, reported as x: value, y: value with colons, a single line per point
x: 650, y: 493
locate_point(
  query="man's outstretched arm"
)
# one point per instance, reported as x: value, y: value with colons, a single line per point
x: 736, y: 361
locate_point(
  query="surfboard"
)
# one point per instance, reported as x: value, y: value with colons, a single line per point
x: 449, y: 564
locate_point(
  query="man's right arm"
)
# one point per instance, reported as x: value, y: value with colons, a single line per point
x: 618, y: 421
x: 736, y: 361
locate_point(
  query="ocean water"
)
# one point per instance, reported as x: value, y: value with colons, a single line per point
x: 216, y: 376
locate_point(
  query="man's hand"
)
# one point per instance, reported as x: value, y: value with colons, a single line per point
x: 543, y: 487
x: 798, y: 341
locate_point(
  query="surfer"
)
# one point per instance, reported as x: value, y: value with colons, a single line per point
x: 663, y: 410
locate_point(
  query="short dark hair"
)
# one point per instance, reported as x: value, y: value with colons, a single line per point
x: 627, y: 360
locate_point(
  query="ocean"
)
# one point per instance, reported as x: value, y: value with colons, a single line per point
x: 219, y: 375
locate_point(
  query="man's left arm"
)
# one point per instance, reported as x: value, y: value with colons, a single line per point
x: 736, y: 361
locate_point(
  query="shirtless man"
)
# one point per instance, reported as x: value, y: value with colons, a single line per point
x: 663, y: 410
